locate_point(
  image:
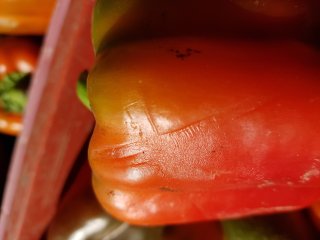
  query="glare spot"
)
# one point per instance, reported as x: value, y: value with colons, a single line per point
x: 24, y: 66
x: 120, y: 200
x: 164, y: 123
x: 7, y: 22
x: 3, y: 124
x: 91, y: 227
x: 250, y: 133
x: 135, y: 174
x: 289, y: 183
x: 3, y: 68
x: 266, y: 183
x: 16, y: 126
x: 152, y: 207
x: 115, y: 233
x: 313, y: 172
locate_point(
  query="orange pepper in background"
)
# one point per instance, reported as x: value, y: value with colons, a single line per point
x: 199, y: 118
x: 27, y: 17
x: 17, y: 55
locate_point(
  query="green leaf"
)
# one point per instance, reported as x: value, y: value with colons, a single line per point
x: 13, y: 101
x: 82, y: 90
x: 9, y: 81
x: 254, y: 228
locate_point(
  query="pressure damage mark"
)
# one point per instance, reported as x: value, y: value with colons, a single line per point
x: 167, y: 189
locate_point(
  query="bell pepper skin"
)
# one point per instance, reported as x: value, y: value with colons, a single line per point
x: 27, y: 17
x: 17, y: 55
x: 191, y: 129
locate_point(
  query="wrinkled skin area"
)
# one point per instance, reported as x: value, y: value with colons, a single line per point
x: 190, y: 129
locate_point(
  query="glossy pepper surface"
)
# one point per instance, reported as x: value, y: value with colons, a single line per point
x: 25, y: 16
x: 201, y: 127
x: 17, y: 58
x: 79, y: 214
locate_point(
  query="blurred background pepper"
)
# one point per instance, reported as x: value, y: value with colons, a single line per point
x: 29, y: 17
x: 18, y: 58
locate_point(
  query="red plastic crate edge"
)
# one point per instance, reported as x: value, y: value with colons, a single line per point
x: 55, y: 125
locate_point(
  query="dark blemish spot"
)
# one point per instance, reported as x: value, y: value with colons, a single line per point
x: 183, y: 54
x: 167, y: 189
x: 111, y: 193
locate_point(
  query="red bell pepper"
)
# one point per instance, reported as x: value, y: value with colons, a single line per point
x: 194, y: 125
x: 18, y: 57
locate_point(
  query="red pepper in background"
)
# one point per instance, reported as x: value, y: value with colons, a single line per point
x: 18, y: 57
x: 198, y: 121
x: 25, y: 16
